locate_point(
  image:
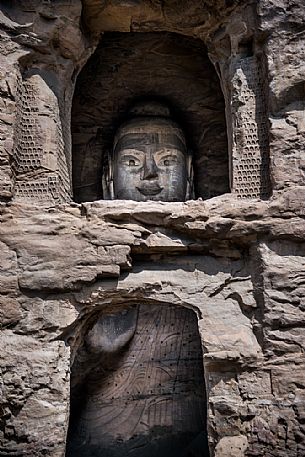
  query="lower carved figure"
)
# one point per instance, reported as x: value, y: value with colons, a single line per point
x: 144, y: 394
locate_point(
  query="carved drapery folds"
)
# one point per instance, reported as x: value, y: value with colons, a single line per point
x: 238, y: 264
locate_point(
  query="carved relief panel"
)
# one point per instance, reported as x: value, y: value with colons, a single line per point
x: 39, y: 166
x: 250, y: 148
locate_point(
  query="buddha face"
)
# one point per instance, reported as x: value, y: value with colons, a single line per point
x: 150, y: 161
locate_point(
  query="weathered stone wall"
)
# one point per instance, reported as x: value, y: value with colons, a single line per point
x: 41, y: 52
x: 283, y: 25
x: 238, y: 264
x: 211, y: 257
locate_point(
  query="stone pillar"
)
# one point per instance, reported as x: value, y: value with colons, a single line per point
x: 40, y: 165
x: 241, y: 67
x: 43, y: 49
x: 250, y: 146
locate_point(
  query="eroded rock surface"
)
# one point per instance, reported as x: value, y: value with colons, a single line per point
x: 236, y: 263
x: 237, y: 266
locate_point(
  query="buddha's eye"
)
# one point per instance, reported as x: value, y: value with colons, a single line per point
x: 131, y: 161
x: 168, y: 161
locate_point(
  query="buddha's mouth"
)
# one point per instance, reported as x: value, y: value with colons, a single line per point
x: 150, y: 188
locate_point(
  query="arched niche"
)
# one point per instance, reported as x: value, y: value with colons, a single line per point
x: 128, y: 67
x: 138, y: 385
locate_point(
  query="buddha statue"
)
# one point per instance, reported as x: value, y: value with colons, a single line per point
x: 150, y: 160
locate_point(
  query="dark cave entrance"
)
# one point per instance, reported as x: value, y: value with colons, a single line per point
x: 137, y: 386
x: 128, y: 67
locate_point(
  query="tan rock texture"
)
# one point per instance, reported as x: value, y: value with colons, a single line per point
x: 235, y: 261
x: 241, y: 275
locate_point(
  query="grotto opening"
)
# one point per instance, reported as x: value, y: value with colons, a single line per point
x: 138, y: 386
x: 130, y: 69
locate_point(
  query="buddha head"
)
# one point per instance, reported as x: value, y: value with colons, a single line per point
x: 150, y: 160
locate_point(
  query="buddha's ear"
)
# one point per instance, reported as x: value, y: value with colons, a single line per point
x: 190, y: 176
x: 107, y: 177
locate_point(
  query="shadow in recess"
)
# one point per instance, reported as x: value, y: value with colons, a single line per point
x: 145, y: 399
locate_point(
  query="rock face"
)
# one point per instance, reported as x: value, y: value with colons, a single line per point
x: 82, y: 284
x: 65, y: 267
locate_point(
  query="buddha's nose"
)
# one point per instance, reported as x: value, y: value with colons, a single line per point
x: 150, y: 168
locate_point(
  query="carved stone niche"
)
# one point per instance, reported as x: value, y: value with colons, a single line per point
x: 128, y: 68
x: 138, y: 385
x: 155, y: 355
x: 223, y: 107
